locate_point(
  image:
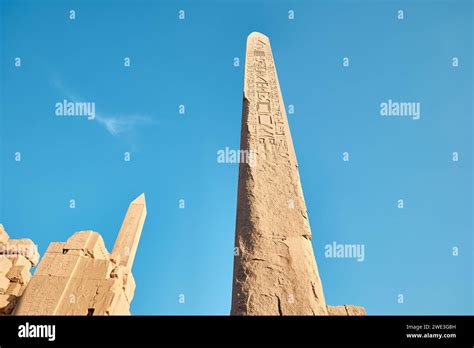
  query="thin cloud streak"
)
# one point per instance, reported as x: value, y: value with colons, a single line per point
x: 115, y: 125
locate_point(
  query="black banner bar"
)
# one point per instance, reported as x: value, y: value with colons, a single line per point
x: 136, y: 330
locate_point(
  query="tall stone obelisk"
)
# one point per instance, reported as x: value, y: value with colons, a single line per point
x: 275, y: 271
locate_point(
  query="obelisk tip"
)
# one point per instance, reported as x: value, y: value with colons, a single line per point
x: 140, y: 199
x: 257, y: 35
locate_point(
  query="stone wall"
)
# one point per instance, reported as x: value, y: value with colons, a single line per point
x: 17, y: 256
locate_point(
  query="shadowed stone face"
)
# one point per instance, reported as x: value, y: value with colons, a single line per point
x: 275, y: 272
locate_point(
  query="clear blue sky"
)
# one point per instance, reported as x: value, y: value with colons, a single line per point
x: 189, y: 251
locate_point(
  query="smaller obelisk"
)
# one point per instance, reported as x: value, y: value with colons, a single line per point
x: 126, y: 243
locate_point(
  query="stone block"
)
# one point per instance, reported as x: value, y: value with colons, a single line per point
x: 7, y: 303
x: 5, y: 264
x: 23, y: 246
x: 19, y: 260
x: 15, y: 289
x: 55, y: 248
x: 4, y: 284
x: 19, y: 274
x: 355, y: 310
x: 129, y: 287
x: 90, y: 242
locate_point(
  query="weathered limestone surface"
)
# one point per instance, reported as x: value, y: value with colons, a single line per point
x: 346, y: 310
x: 79, y: 277
x: 17, y: 256
x: 275, y: 271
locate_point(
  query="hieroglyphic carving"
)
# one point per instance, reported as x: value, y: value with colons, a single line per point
x: 268, y: 122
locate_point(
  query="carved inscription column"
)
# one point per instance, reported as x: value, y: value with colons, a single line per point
x: 275, y: 271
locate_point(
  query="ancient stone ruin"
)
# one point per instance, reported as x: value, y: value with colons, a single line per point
x: 17, y: 256
x: 80, y: 277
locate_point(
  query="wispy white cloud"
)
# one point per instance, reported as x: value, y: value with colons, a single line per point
x: 116, y: 125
